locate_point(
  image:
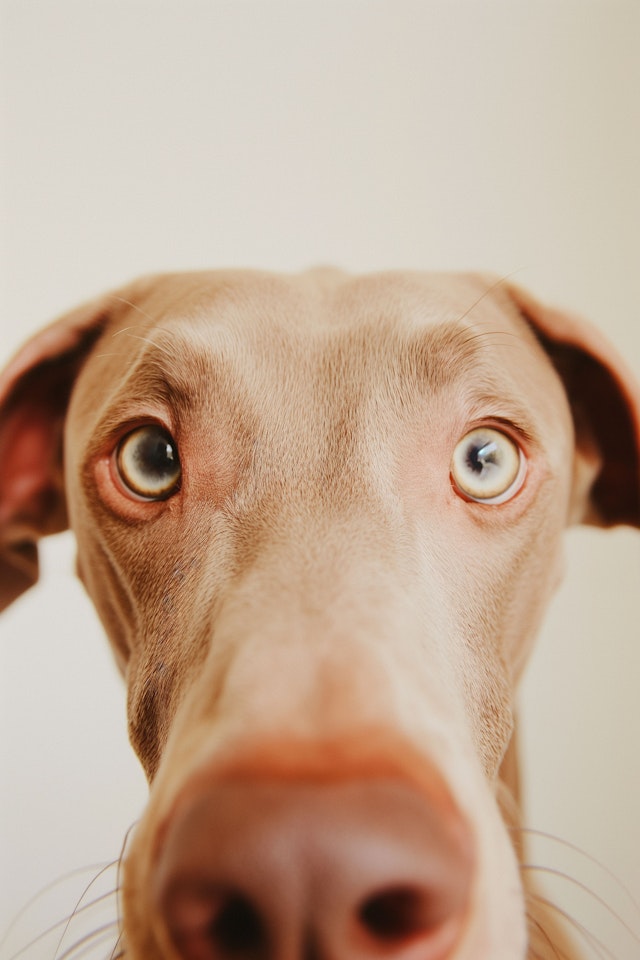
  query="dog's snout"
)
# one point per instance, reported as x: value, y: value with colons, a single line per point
x: 268, y: 870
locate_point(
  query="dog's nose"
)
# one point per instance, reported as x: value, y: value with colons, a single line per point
x: 353, y: 870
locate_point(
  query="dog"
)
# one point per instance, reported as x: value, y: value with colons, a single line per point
x: 320, y: 517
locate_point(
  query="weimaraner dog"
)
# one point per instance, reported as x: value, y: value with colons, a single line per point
x: 320, y: 518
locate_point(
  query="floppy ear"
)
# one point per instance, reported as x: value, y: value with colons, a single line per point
x: 34, y: 394
x: 605, y: 401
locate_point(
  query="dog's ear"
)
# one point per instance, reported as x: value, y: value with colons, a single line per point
x: 605, y: 401
x: 34, y: 393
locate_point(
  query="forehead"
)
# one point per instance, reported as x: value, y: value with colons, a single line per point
x: 324, y: 336
x: 323, y: 301
x: 320, y: 362
x: 442, y: 320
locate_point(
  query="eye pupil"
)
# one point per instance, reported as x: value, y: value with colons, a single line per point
x: 480, y: 457
x: 148, y: 463
x: 155, y: 456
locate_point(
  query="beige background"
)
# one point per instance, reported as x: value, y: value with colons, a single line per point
x: 139, y: 136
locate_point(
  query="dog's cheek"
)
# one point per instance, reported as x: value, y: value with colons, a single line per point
x: 486, y: 686
x: 149, y: 699
x: 514, y: 565
x: 110, y: 602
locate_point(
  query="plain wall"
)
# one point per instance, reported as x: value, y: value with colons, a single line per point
x: 141, y: 136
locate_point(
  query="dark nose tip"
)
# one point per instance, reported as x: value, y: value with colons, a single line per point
x: 354, y: 870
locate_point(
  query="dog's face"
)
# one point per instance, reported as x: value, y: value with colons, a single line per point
x: 312, y: 498
x: 320, y: 519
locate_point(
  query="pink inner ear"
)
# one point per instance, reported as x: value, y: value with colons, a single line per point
x: 30, y: 456
x: 34, y: 391
x: 605, y: 399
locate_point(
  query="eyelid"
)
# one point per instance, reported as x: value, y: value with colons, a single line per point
x: 125, y: 416
x: 515, y: 422
x: 514, y: 428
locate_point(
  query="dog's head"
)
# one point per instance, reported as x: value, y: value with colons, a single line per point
x: 320, y: 518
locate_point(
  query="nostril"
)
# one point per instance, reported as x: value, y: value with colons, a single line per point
x: 237, y: 929
x: 206, y: 924
x: 395, y: 914
x: 265, y: 870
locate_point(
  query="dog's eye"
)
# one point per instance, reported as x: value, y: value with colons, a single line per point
x: 487, y: 466
x: 148, y: 464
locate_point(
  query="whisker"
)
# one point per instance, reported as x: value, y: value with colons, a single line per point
x: 81, y: 909
x: 114, y: 955
x: 492, y: 286
x: 108, y: 356
x: 127, y: 332
x: 137, y: 336
x: 481, y: 334
x: 511, y: 339
x: 77, y: 909
x: 582, y: 886
x: 517, y: 339
x: 540, y: 927
x: 590, y: 938
x: 65, y: 921
x: 587, y: 856
x: 47, y: 889
x: 134, y: 306
x: 89, y: 941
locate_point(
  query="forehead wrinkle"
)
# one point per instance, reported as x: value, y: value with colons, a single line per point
x: 459, y: 356
x: 175, y: 370
x: 182, y: 370
x: 448, y: 354
x: 182, y: 367
x: 210, y: 362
